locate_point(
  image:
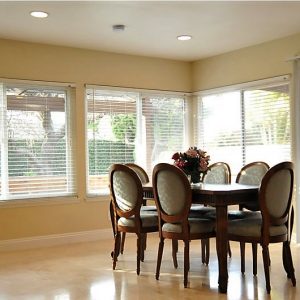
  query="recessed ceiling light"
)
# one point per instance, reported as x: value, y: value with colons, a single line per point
x: 184, y: 37
x: 39, y: 14
x: 118, y: 27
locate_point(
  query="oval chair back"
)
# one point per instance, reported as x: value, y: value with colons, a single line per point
x: 275, y: 197
x: 139, y: 171
x: 252, y: 174
x: 218, y: 173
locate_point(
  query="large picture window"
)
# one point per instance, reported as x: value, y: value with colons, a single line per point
x: 36, y: 155
x: 124, y: 126
x: 246, y: 124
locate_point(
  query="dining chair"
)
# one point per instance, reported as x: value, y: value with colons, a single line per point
x: 173, y: 198
x: 274, y: 224
x: 250, y: 174
x: 144, y: 179
x: 152, y: 208
x: 127, y: 198
x: 218, y: 173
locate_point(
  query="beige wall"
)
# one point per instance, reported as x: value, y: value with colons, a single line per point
x: 50, y: 63
x: 247, y: 64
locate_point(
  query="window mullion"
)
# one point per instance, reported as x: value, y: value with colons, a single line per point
x: 4, y: 142
x: 243, y: 127
x: 140, y: 144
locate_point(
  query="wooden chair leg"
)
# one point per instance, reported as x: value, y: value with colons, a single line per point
x: 285, y: 260
x: 143, y: 243
x: 242, y: 250
x: 288, y: 262
x: 207, y: 252
x: 159, y: 257
x: 139, y: 247
x: 186, y: 262
x: 116, y: 251
x: 174, y: 253
x: 266, y: 259
x: 229, y: 249
x: 254, y: 258
x: 203, y: 250
x: 122, y: 242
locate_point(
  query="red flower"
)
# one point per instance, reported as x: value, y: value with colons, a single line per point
x: 193, y: 160
x: 176, y: 156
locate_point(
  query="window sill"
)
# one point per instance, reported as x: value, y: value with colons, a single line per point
x: 39, y: 201
x: 97, y: 198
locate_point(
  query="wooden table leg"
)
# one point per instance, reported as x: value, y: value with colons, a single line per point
x: 222, y: 246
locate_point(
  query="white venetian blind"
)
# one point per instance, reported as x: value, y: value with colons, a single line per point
x: 219, y: 128
x: 36, y: 144
x: 163, y: 118
x: 111, y: 134
x: 246, y: 125
x: 3, y: 163
x: 267, y: 124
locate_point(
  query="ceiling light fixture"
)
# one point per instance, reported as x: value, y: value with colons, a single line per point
x: 118, y: 27
x: 184, y: 37
x: 39, y: 14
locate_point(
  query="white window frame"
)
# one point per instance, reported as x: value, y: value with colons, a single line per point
x: 42, y: 199
x: 264, y: 83
x: 91, y: 196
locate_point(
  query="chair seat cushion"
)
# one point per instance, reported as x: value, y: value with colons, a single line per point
x: 149, y: 219
x: 235, y: 214
x: 197, y: 225
x: 252, y: 227
x: 242, y: 214
x: 148, y: 208
x: 253, y: 205
x: 200, y: 210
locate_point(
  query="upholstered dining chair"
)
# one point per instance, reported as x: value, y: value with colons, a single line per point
x: 250, y: 174
x: 173, y: 198
x: 142, y: 174
x: 144, y: 179
x: 127, y: 198
x: 218, y: 173
x: 273, y: 225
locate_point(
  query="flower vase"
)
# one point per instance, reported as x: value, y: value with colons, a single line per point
x: 195, y: 177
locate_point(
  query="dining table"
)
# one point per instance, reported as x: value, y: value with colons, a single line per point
x: 221, y: 196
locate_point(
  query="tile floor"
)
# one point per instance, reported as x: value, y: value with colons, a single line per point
x: 84, y: 272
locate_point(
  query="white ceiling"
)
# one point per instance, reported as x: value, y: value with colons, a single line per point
x: 152, y: 26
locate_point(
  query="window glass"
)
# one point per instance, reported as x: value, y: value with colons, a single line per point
x: 219, y: 126
x: 246, y: 125
x: 128, y: 127
x: 164, y: 128
x: 36, y: 158
x: 267, y: 124
x: 111, y: 134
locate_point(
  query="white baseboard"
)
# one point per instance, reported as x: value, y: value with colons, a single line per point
x: 55, y: 239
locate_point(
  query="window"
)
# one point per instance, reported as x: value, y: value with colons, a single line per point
x: 128, y: 126
x: 163, y: 120
x: 36, y: 155
x: 246, y: 124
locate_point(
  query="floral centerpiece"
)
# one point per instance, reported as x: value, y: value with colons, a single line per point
x: 193, y: 162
